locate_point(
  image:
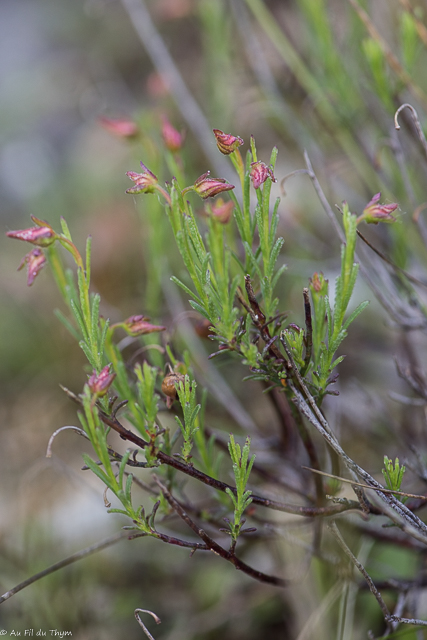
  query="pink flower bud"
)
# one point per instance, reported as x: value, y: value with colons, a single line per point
x: 40, y: 236
x: 121, y: 127
x: 145, y: 182
x: 139, y: 326
x: 222, y: 211
x: 99, y: 384
x: 227, y: 143
x: 374, y: 212
x: 35, y: 261
x: 171, y: 137
x: 207, y: 187
x: 260, y: 172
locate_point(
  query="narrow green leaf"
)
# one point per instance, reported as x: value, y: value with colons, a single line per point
x: 94, y: 320
x: 65, y: 229
x: 78, y: 316
x: 355, y: 313
x: 88, y: 260
x: 66, y: 323
x: 88, y: 354
x: 128, y: 488
x: 98, y: 471
x: 198, y: 307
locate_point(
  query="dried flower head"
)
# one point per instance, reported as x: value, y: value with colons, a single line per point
x: 169, y: 383
x: 207, y: 187
x: 374, y: 212
x: 43, y: 235
x: 319, y: 284
x: 139, y: 326
x: 260, y: 172
x: 35, y: 261
x: 226, y: 142
x: 145, y: 182
x: 100, y: 383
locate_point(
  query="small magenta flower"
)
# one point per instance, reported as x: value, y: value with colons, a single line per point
x: 35, y: 261
x: 226, y: 142
x: 139, y: 326
x: 222, y: 211
x: 172, y: 138
x: 207, y: 187
x: 260, y: 172
x: 99, y: 384
x: 374, y: 212
x: 43, y: 235
x: 145, y: 182
x: 121, y: 127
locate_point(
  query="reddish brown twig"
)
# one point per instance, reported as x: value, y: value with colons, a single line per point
x: 215, y: 547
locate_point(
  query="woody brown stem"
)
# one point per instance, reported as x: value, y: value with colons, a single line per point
x: 215, y: 547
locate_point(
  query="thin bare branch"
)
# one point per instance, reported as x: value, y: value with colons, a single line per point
x: 308, y: 332
x: 390, y: 505
x: 189, y: 470
x: 55, y: 433
x: 365, y: 486
x: 337, y: 534
x: 416, y: 121
x: 142, y: 625
x: 99, y: 546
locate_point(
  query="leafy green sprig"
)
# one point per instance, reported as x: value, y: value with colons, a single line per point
x: 393, y: 476
x: 242, y: 499
x: 327, y: 338
x: 189, y: 425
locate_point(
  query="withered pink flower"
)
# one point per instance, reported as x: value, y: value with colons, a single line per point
x: 222, y: 211
x: 374, y: 212
x: 139, y: 326
x: 99, y: 384
x: 35, y: 261
x: 260, y: 172
x: 207, y: 187
x: 145, y: 182
x: 226, y: 142
x: 172, y: 138
x: 42, y: 236
x: 121, y: 127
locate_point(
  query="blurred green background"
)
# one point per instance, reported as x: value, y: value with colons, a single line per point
x: 319, y: 86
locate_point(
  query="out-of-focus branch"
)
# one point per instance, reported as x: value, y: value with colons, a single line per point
x: 165, y: 65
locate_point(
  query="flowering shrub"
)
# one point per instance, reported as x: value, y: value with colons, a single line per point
x: 230, y: 276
